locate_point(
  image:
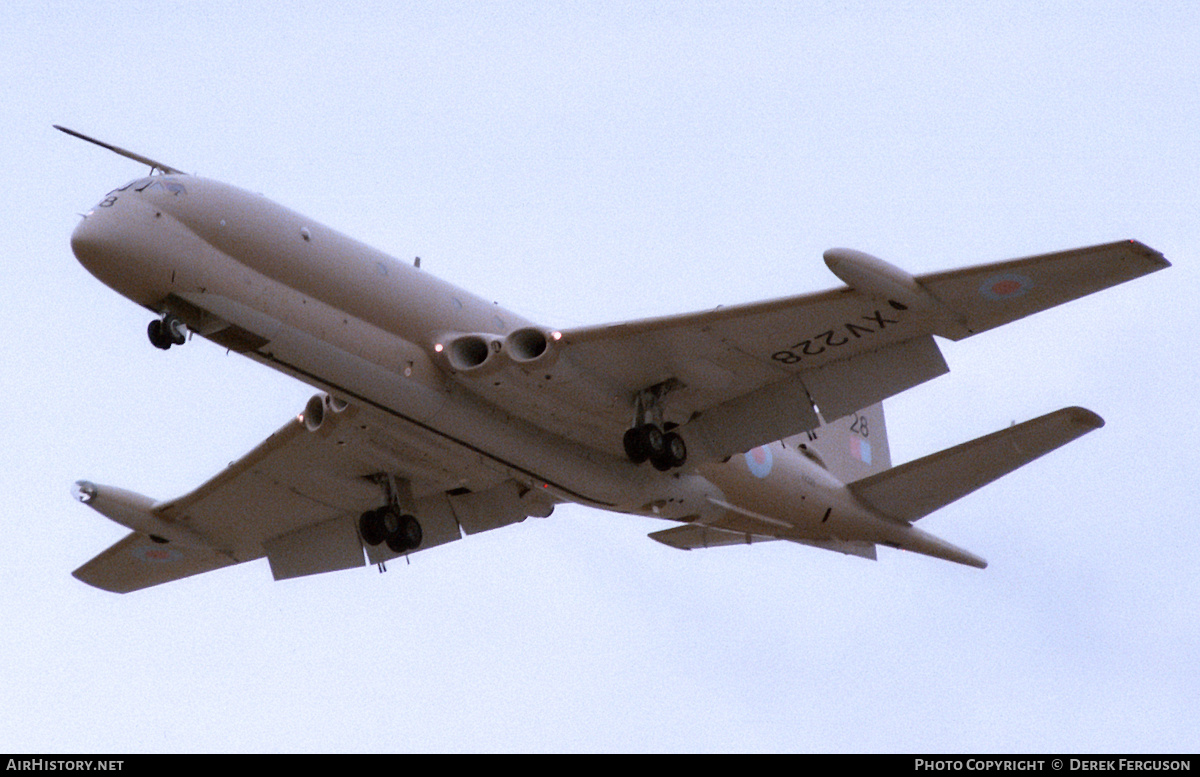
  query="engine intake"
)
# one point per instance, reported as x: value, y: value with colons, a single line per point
x: 474, y: 353
x: 531, y: 346
x: 481, y: 353
x: 316, y: 408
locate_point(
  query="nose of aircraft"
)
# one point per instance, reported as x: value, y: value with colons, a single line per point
x: 114, y: 249
x: 133, y: 247
x: 91, y: 241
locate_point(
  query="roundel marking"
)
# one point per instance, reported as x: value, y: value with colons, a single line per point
x: 157, y: 555
x: 1005, y: 286
x: 760, y: 461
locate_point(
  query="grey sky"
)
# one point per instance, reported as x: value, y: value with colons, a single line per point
x: 584, y: 163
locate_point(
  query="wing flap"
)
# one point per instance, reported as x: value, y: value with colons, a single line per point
x: 322, y: 547
x: 772, y: 412
x: 845, y: 386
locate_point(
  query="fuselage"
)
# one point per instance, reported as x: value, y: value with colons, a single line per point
x: 372, y: 330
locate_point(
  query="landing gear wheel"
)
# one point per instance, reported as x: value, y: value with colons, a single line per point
x: 635, y: 446
x: 158, y: 334
x: 166, y: 331
x: 410, y: 530
x: 406, y: 536
x: 175, y: 330
x: 643, y: 442
x: 673, y: 454
x: 370, y: 526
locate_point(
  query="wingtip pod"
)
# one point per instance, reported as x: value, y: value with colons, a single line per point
x: 872, y: 275
x: 133, y: 511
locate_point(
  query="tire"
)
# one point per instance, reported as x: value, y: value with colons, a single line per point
x: 635, y: 446
x: 370, y: 527
x: 406, y: 536
x: 673, y: 454
x: 158, y: 337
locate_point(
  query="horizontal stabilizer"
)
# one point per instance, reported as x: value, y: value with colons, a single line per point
x: 915, y: 489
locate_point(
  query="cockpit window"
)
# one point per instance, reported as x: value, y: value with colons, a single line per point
x: 158, y: 183
x: 153, y: 182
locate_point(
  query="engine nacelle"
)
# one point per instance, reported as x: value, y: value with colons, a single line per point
x: 317, y: 407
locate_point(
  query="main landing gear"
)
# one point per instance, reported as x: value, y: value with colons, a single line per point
x: 646, y: 439
x: 665, y: 450
x: 390, y: 524
x: 166, y: 331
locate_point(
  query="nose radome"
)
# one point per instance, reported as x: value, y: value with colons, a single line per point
x: 132, y: 248
x: 90, y: 240
x: 107, y: 250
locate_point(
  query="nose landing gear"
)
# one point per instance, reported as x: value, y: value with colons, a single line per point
x: 166, y: 331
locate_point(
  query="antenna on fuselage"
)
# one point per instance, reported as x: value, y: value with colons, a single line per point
x: 127, y: 154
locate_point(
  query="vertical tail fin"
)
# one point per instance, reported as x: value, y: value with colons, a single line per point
x: 852, y: 447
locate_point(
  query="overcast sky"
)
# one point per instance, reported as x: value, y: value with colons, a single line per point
x: 583, y: 163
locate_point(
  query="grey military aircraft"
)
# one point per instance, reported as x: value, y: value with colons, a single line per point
x: 440, y: 414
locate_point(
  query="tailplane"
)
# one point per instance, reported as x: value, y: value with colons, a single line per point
x: 913, y: 490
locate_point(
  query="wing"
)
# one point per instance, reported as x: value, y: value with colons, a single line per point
x: 746, y: 375
x: 297, y: 497
x: 139, y: 562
